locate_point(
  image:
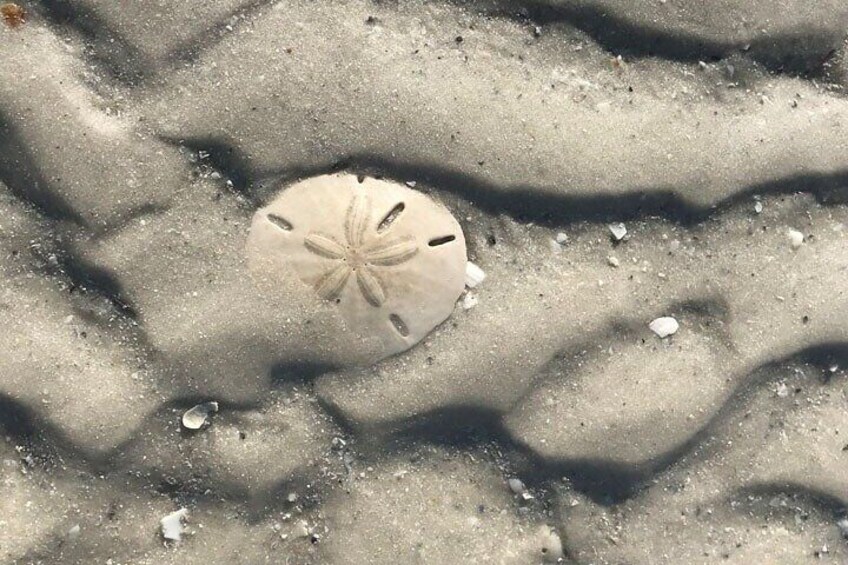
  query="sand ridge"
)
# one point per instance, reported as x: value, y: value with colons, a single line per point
x: 542, y: 422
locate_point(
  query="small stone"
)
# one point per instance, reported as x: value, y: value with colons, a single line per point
x: 613, y: 261
x: 758, y: 207
x: 301, y: 530
x: 469, y: 301
x: 292, y: 497
x: 664, y: 327
x: 561, y: 238
x: 195, y: 418
x: 796, y: 238
x: 618, y: 231
x: 411, y: 183
x: 782, y: 390
x: 842, y: 524
x: 13, y: 14
x: 74, y: 532
x: 172, y: 525
x: 474, y: 275
x: 516, y: 486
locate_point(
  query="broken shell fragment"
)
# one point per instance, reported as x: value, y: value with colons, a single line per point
x: 172, y: 525
x: 474, y: 275
x: 618, y: 231
x: 664, y: 327
x: 196, y: 417
x: 389, y: 259
x: 516, y: 486
x: 551, y: 545
x: 796, y: 238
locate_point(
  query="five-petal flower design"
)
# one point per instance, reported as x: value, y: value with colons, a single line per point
x: 360, y: 255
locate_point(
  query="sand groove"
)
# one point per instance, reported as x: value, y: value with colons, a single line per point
x: 136, y: 142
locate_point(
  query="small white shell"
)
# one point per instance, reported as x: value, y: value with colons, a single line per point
x: 796, y: 238
x: 474, y: 275
x: 664, y: 327
x: 196, y: 417
x: 618, y: 231
x: 172, y: 525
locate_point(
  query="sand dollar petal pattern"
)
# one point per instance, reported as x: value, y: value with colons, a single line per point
x: 389, y: 258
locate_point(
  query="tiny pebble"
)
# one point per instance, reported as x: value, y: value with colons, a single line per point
x: 613, y: 261
x: 796, y: 238
x: 301, y: 530
x: 664, y: 327
x: 758, y: 207
x: 618, y: 231
x: 842, y: 524
x: 562, y: 238
x: 474, y: 275
x: 469, y: 301
x: 172, y: 525
x: 552, y: 551
x: 516, y: 486
x: 196, y: 417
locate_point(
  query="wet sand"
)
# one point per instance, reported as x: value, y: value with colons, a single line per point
x: 545, y: 420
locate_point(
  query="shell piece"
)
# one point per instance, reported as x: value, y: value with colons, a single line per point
x: 172, y: 525
x: 390, y: 259
x: 474, y: 275
x: 618, y: 231
x: 195, y: 418
x: 664, y: 327
x: 796, y: 238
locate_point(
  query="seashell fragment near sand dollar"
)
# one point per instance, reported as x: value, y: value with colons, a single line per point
x: 390, y: 259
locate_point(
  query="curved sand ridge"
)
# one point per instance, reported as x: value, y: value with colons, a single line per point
x: 137, y: 145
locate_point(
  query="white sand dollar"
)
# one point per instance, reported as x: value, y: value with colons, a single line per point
x: 389, y: 258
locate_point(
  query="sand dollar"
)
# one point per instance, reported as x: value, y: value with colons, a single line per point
x: 390, y: 259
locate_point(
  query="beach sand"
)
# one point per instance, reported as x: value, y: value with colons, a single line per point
x: 546, y: 420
